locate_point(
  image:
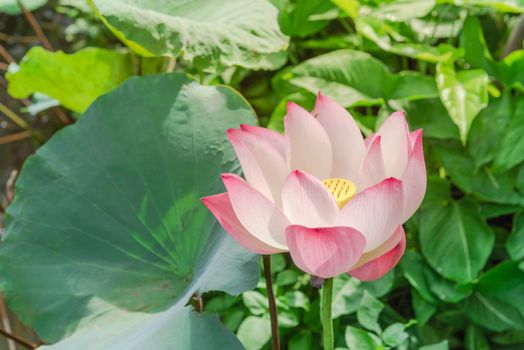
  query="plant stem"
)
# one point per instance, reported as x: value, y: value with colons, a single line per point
x: 36, y: 26
x: 325, y: 314
x: 14, y: 117
x: 275, y: 339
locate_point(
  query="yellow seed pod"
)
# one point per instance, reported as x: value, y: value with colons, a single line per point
x: 342, y: 190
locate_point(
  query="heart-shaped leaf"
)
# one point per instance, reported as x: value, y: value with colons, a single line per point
x: 107, y: 222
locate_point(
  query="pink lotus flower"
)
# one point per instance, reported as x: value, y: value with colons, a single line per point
x: 335, y: 201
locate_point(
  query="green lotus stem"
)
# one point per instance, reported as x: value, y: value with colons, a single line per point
x: 325, y: 314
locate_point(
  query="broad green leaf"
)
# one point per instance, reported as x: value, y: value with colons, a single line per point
x: 414, y: 268
x: 11, y: 7
x: 359, y: 339
x: 489, y: 129
x: 395, y: 335
x: 443, y: 345
x: 509, y: 70
x: 301, y: 341
x: 304, y: 99
x: 446, y: 290
x: 464, y: 94
x: 511, y: 150
x: 209, y: 34
x: 423, y: 309
x: 126, y: 232
x: 511, y: 6
x: 384, y: 35
x: 302, y: 18
x: 475, y: 339
x: 344, y: 75
x: 431, y: 116
x: 515, y: 241
x: 483, y: 183
x: 438, y: 192
x: 287, y: 277
x: 75, y: 80
x: 455, y: 240
x: 368, y: 312
x: 398, y: 10
x: 254, y: 332
x: 497, y: 303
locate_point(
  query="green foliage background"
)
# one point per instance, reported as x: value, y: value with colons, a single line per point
x: 118, y: 190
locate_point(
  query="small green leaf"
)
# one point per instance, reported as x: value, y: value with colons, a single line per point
x: 287, y: 277
x: 464, y: 94
x: 256, y: 302
x: 369, y: 311
x: 395, y: 335
x: 75, y: 80
x: 359, y: 339
x: 296, y: 299
x: 254, y: 332
x: 458, y: 225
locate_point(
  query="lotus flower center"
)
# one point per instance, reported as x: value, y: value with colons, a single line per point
x: 342, y: 190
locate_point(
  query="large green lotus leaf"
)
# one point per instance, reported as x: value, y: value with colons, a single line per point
x: 11, y: 7
x: 75, y: 80
x: 455, y: 240
x: 345, y: 75
x: 207, y: 33
x: 464, y: 94
x: 108, y: 212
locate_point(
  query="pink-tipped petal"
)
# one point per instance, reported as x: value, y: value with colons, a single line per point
x: 220, y: 206
x: 375, y: 212
x: 324, y: 252
x: 307, y: 202
x: 413, y: 138
x: 260, y: 217
x: 395, y: 144
x: 345, y: 136
x: 379, y: 267
x: 264, y: 166
x: 367, y: 140
x: 308, y: 145
x: 414, y: 178
x: 385, y: 247
x: 276, y: 140
x: 372, y: 170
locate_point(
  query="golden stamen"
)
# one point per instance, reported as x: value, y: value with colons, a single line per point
x: 342, y: 190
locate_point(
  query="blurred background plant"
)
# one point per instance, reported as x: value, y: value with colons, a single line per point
x: 455, y: 66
